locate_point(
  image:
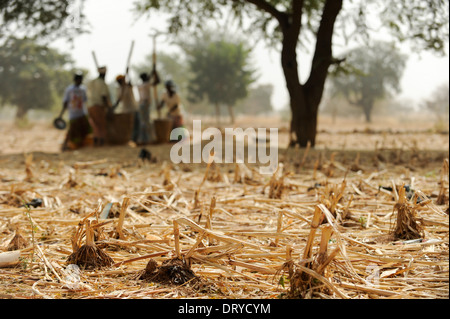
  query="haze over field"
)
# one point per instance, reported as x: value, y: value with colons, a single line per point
x: 114, y: 27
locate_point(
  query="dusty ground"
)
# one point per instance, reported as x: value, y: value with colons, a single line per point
x: 247, y: 232
x: 343, y: 134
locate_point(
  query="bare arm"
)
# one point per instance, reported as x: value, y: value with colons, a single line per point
x: 63, y: 109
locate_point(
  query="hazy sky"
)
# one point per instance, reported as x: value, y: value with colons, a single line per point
x: 114, y: 27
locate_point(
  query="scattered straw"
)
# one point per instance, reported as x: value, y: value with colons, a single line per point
x: 321, y: 227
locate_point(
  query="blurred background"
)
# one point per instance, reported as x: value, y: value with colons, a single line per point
x: 384, y: 83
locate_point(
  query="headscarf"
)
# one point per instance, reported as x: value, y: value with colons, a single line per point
x: 78, y: 75
x: 170, y: 84
x: 102, y: 69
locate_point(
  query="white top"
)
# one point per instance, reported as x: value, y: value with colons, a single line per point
x: 171, y: 101
x: 76, y: 98
x: 144, y: 92
x: 97, y: 88
x: 127, y: 103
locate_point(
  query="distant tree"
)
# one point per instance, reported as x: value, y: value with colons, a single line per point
x: 32, y: 76
x: 258, y: 100
x: 220, y: 70
x: 336, y: 106
x: 373, y: 73
x: 438, y: 103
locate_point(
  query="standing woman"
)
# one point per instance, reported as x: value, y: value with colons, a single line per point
x: 173, y: 102
x: 126, y: 105
x: 98, y: 106
x: 145, y: 130
x: 75, y: 101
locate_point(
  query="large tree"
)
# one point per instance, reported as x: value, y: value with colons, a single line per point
x: 290, y: 22
x: 221, y: 72
x: 33, y: 76
x: 374, y: 74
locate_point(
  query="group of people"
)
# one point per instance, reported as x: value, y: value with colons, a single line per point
x: 90, y: 108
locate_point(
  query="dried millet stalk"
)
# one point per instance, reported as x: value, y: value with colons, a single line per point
x: 89, y: 255
x: 406, y: 225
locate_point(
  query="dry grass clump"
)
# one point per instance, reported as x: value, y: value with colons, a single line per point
x: 407, y: 225
x: 277, y: 186
x: 309, y: 276
x: 119, y: 230
x: 328, y: 168
x: 245, y: 175
x: 442, y: 198
x: 214, y: 174
x: 78, y: 208
x: 171, y: 272
x: 88, y: 256
x: 167, y: 183
x: 356, y: 166
x: 333, y: 196
x: 71, y: 180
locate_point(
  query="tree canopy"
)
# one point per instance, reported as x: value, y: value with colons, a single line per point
x: 33, y: 76
x: 221, y: 71
x: 41, y: 18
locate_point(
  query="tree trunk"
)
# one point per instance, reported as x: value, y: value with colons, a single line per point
x: 301, y: 119
x: 367, y: 108
x: 21, y: 113
x: 305, y: 99
x: 304, y: 118
x: 231, y: 113
x: 217, y: 113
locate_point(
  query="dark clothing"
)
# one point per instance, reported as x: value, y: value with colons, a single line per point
x: 145, y: 128
x: 78, y: 133
x: 136, y: 127
x: 97, y: 114
x: 177, y: 120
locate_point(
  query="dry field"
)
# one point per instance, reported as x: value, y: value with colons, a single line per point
x: 364, y: 215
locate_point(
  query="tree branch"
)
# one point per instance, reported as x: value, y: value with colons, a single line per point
x: 267, y: 7
x: 323, y: 51
x: 297, y: 10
